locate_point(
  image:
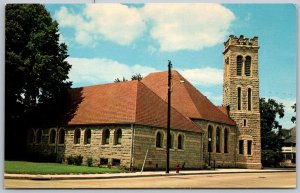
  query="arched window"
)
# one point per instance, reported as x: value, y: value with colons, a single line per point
x: 52, y: 136
x: 209, y: 137
x: 226, y: 140
x: 159, y: 140
x: 172, y: 140
x: 239, y: 65
x: 239, y: 98
x: 118, y: 136
x: 249, y: 99
x: 105, y: 136
x: 31, y: 136
x: 180, y: 141
x: 87, y: 136
x: 218, y: 140
x: 248, y: 66
x: 61, y: 136
x: 39, y: 136
x: 77, y: 134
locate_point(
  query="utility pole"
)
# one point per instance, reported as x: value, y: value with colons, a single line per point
x: 169, y: 117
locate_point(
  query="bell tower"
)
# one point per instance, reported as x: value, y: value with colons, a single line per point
x: 241, y: 96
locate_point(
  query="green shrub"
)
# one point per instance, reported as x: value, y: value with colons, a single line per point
x: 78, y: 160
x: 74, y: 160
x: 70, y: 160
x: 89, y: 161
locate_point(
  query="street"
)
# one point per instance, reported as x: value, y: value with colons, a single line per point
x: 234, y: 180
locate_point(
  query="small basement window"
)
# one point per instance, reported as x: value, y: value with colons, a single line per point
x: 116, y: 162
x: 103, y: 161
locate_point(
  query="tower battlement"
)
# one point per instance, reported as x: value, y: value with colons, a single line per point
x: 240, y: 41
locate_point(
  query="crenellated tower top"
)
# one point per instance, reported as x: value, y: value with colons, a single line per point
x: 240, y: 41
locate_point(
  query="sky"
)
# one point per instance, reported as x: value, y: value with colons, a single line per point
x: 109, y: 41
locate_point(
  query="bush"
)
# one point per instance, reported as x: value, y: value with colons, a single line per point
x: 75, y: 160
x: 270, y: 158
x: 90, y: 161
x: 78, y: 160
x: 70, y: 160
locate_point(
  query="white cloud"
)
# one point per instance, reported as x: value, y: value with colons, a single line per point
x: 203, y: 76
x: 90, y: 71
x: 116, y: 22
x: 188, y: 26
x: 113, y: 22
x: 174, y: 26
x: 66, y: 18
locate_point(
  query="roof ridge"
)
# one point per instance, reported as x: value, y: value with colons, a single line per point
x: 106, y: 84
x: 136, y: 100
x: 163, y: 101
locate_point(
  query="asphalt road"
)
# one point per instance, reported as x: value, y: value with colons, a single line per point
x: 236, y: 180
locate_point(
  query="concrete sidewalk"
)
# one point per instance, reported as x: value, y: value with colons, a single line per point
x: 139, y: 174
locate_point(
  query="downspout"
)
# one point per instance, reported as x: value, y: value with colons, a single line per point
x: 131, y: 150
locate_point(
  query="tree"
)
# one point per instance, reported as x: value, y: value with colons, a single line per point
x: 123, y: 80
x: 293, y: 119
x: 136, y: 76
x: 36, y: 71
x: 271, y: 141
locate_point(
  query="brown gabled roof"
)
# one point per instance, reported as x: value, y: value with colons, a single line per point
x: 185, y: 97
x: 122, y: 103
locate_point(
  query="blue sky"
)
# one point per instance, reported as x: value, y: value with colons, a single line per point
x: 108, y: 41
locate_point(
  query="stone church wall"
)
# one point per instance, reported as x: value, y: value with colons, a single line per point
x: 222, y: 159
x: 190, y: 156
x: 96, y: 150
x: 144, y: 137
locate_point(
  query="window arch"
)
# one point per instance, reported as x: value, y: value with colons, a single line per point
x: 77, y: 134
x: 239, y: 65
x: 218, y: 140
x: 87, y: 136
x: 248, y: 66
x: 239, y: 98
x: 52, y: 136
x: 249, y: 99
x: 159, y: 139
x: 105, y: 136
x: 118, y: 136
x: 226, y: 140
x: 209, y: 138
x: 39, y: 136
x: 31, y: 136
x: 61, y: 136
x: 180, y: 141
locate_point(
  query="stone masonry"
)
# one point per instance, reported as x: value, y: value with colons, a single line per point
x: 248, y: 121
x: 136, y: 139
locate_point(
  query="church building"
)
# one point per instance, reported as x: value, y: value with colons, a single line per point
x: 121, y: 124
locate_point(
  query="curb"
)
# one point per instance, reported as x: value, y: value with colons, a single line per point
x: 107, y: 176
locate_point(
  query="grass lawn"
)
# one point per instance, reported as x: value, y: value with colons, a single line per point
x: 22, y: 167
